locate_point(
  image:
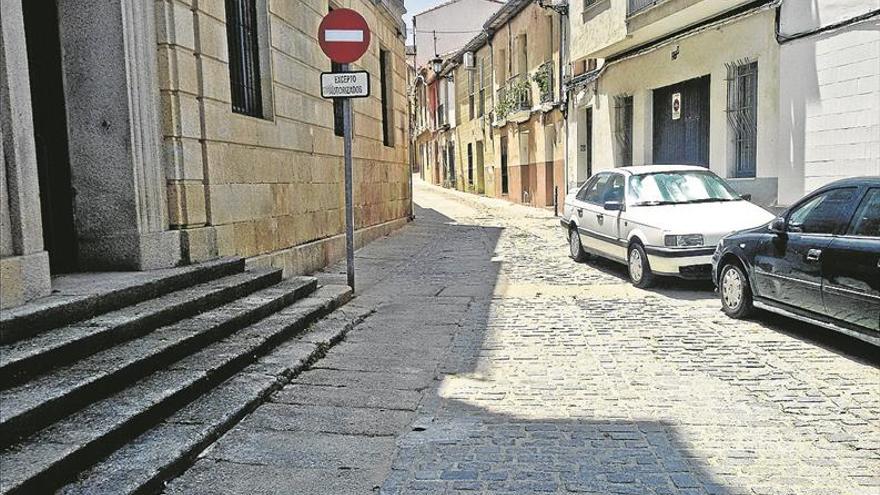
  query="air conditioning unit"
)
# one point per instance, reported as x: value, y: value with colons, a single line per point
x: 470, y: 61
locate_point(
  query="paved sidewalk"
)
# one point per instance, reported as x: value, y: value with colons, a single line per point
x: 495, y: 364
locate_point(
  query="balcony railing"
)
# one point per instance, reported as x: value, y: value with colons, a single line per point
x: 635, y: 6
x: 520, y: 92
x: 514, y: 96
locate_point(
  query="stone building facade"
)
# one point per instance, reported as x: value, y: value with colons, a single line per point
x: 159, y: 133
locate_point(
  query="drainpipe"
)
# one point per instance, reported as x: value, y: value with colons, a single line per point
x: 563, y: 95
x: 489, y: 34
x: 562, y: 10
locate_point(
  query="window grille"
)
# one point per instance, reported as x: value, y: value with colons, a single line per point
x: 742, y: 115
x: 623, y: 128
x: 244, y: 57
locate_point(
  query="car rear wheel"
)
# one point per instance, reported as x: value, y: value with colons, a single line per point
x: 574, y: 245
x: 639, y: 270
x: 736, y: 293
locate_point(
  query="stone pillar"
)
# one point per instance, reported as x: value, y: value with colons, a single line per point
x: 24, y: 264
x: 112, y: 92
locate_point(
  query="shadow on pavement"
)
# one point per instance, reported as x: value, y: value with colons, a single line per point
x: 843, y: 345
x: 464, y: 439
x: 675, y: 288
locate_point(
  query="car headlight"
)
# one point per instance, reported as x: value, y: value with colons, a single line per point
x: 687, y: 240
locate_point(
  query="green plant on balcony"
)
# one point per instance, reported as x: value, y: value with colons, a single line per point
x: 515, y: 96
x: 542, y: 78
x: 502, y: 106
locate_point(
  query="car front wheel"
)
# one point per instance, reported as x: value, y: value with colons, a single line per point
x: 639, y: 270
x: 736, y: 294
x: 574, y: 245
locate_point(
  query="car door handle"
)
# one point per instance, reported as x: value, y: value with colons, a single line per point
x: 600, y: 216
x: 814, y: 254
x: 580, y: 212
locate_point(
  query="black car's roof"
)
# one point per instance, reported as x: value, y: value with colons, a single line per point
x: 872, y: 180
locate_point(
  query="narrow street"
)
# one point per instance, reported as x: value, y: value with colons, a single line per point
x: 493, y: 363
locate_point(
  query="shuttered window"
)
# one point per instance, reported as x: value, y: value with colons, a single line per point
x: 244, y: 57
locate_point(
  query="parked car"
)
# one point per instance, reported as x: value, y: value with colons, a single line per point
x: 657, y: 219
x: 818, y: 262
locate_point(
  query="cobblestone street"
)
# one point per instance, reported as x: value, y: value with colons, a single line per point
x: 493, y: 363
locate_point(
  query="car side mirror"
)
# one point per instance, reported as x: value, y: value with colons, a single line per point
x: 613, y: 205
x: 747, y: 197
x: 777, y: 226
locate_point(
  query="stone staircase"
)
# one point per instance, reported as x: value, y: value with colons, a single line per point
x: 90, y: 382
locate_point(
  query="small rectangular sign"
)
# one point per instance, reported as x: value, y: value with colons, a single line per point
x: 676, y: 106
x: 355, y: 84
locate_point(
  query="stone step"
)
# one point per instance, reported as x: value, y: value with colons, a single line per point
x: 27, y: 358
x: 179, y: 402
x: 27, y: 408
x: 74, y: 301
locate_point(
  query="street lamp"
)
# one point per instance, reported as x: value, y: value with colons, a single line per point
x: 437, y: 65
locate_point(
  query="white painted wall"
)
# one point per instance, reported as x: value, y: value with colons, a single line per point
x: 704, y: 53
x: 829, y: 103
x: 456, y: 23
x: 798, y: 16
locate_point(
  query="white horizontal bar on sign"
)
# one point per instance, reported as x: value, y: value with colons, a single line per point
x: 344, y: 35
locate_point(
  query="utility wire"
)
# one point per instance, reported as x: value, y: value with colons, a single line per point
x: 433, y: 31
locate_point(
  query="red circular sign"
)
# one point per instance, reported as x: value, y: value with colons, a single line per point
x: 344, y: 35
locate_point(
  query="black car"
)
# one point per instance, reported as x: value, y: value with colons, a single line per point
x: 819, y: 262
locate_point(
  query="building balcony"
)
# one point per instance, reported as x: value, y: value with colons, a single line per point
x: 513, y: 101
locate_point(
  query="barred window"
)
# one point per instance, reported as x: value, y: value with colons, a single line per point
x: 470, y: 164
x: 623, y: 129
x: 742, y: 115
x: 244, y: 57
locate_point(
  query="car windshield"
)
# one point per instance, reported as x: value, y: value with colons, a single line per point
x: 662, y: 188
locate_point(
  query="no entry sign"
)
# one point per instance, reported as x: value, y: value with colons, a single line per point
x: 344, y: 35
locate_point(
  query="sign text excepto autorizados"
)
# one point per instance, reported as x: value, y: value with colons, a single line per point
x: 345, y: 84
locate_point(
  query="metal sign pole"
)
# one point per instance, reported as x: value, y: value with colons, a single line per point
x: 349, y: 201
